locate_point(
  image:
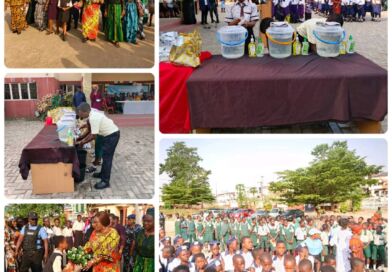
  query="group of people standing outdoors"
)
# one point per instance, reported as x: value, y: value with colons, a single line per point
x: 114, y: 247
x: 120, y: 20
x: 351, y: 10
x: 328, y: 243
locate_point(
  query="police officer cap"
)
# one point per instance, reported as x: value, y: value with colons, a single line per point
x: 131, y: 216
x: 33, y: 215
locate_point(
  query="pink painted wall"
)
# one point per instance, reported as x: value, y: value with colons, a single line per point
x: 26, y: 108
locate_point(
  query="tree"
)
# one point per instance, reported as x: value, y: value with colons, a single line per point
x: 241, y: 195
x: 335, y: 175
x: 188, y: 180
x: 253, y: 191
x: 43, y: 210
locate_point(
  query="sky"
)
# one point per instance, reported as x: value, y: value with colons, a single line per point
x: 249, y: 161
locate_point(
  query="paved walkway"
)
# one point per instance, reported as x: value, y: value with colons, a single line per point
x: 34, y: 49
x: 132, y: 173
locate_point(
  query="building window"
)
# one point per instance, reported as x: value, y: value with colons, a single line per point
x: 20, y: 91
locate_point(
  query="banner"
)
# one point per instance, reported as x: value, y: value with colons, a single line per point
x: 117, y: 89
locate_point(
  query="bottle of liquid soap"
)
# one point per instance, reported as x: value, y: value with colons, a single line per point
x: 70, y: 138
x: 305, y: 47
x: 252, y: 48
x: 342, y: 48
x: 260, y: 48
x: 296, y: 47
x: 351, y: 45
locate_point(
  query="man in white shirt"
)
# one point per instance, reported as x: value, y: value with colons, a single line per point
x: 100, y: 124
x: 306, y: 28
x: 77, y: 228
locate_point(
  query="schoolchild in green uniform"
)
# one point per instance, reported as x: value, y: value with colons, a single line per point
x: 177, y: 228
x: 199, y: 230
x: 367, y: 240
x: 273, y: 229
x: 183, y: 228
x: 262, y: 233
x: 244, y: 228
x: 191, y: 229
x: 253, y: 232
x: 288, y: 236
x: 225, y: 231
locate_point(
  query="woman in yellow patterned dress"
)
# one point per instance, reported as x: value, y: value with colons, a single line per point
x: 103, y: 244
x: 90, y: 19
x: 18, y: 18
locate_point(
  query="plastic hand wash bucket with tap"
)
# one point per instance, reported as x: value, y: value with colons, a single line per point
x: 280, y: 38
x: 232, y: 40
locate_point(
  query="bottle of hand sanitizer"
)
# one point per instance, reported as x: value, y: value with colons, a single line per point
x: 296, y: 47
x: 350, y: 45
x: 260, y: 48
x: 252, y: 48
x: 305, y: 47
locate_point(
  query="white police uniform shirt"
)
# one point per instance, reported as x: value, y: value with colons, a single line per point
x: 361, y: 2
x: 250, y: 12
x: 294, y: 2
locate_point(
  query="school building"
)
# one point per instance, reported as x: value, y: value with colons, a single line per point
x: 22, y: 91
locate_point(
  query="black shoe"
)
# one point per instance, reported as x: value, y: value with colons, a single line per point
x: 97, y: 175
x: 101, y: 185
x: 91, y: 169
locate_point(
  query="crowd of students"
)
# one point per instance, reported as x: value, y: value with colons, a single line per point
x: 122, y: 20
x: 351, y: 10
x: 304, y: 244
x: 113, y: 246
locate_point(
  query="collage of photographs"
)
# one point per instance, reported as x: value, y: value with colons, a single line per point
x: 195, y: 136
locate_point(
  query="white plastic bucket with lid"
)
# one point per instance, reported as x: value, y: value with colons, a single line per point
x: 232, y: 40
x: 280, y: 39
x: 62, y: 128
x: 328, y: 36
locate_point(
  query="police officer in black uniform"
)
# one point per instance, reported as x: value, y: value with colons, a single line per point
x: 33, y: 242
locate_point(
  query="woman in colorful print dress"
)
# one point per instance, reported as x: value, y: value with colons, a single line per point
x: 145, y: 244
x: 40, y: 15
x: 113, y: 13
x: 103, y: 244
x: 131, y: 21
x: 18, y: 19
x: 10, y: 233
x: 90, y: 19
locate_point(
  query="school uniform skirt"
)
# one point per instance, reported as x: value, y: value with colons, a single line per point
x: 64, y: 16
x: 376, y: 9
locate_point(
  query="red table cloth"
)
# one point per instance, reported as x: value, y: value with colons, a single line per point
x: 173, y: 97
